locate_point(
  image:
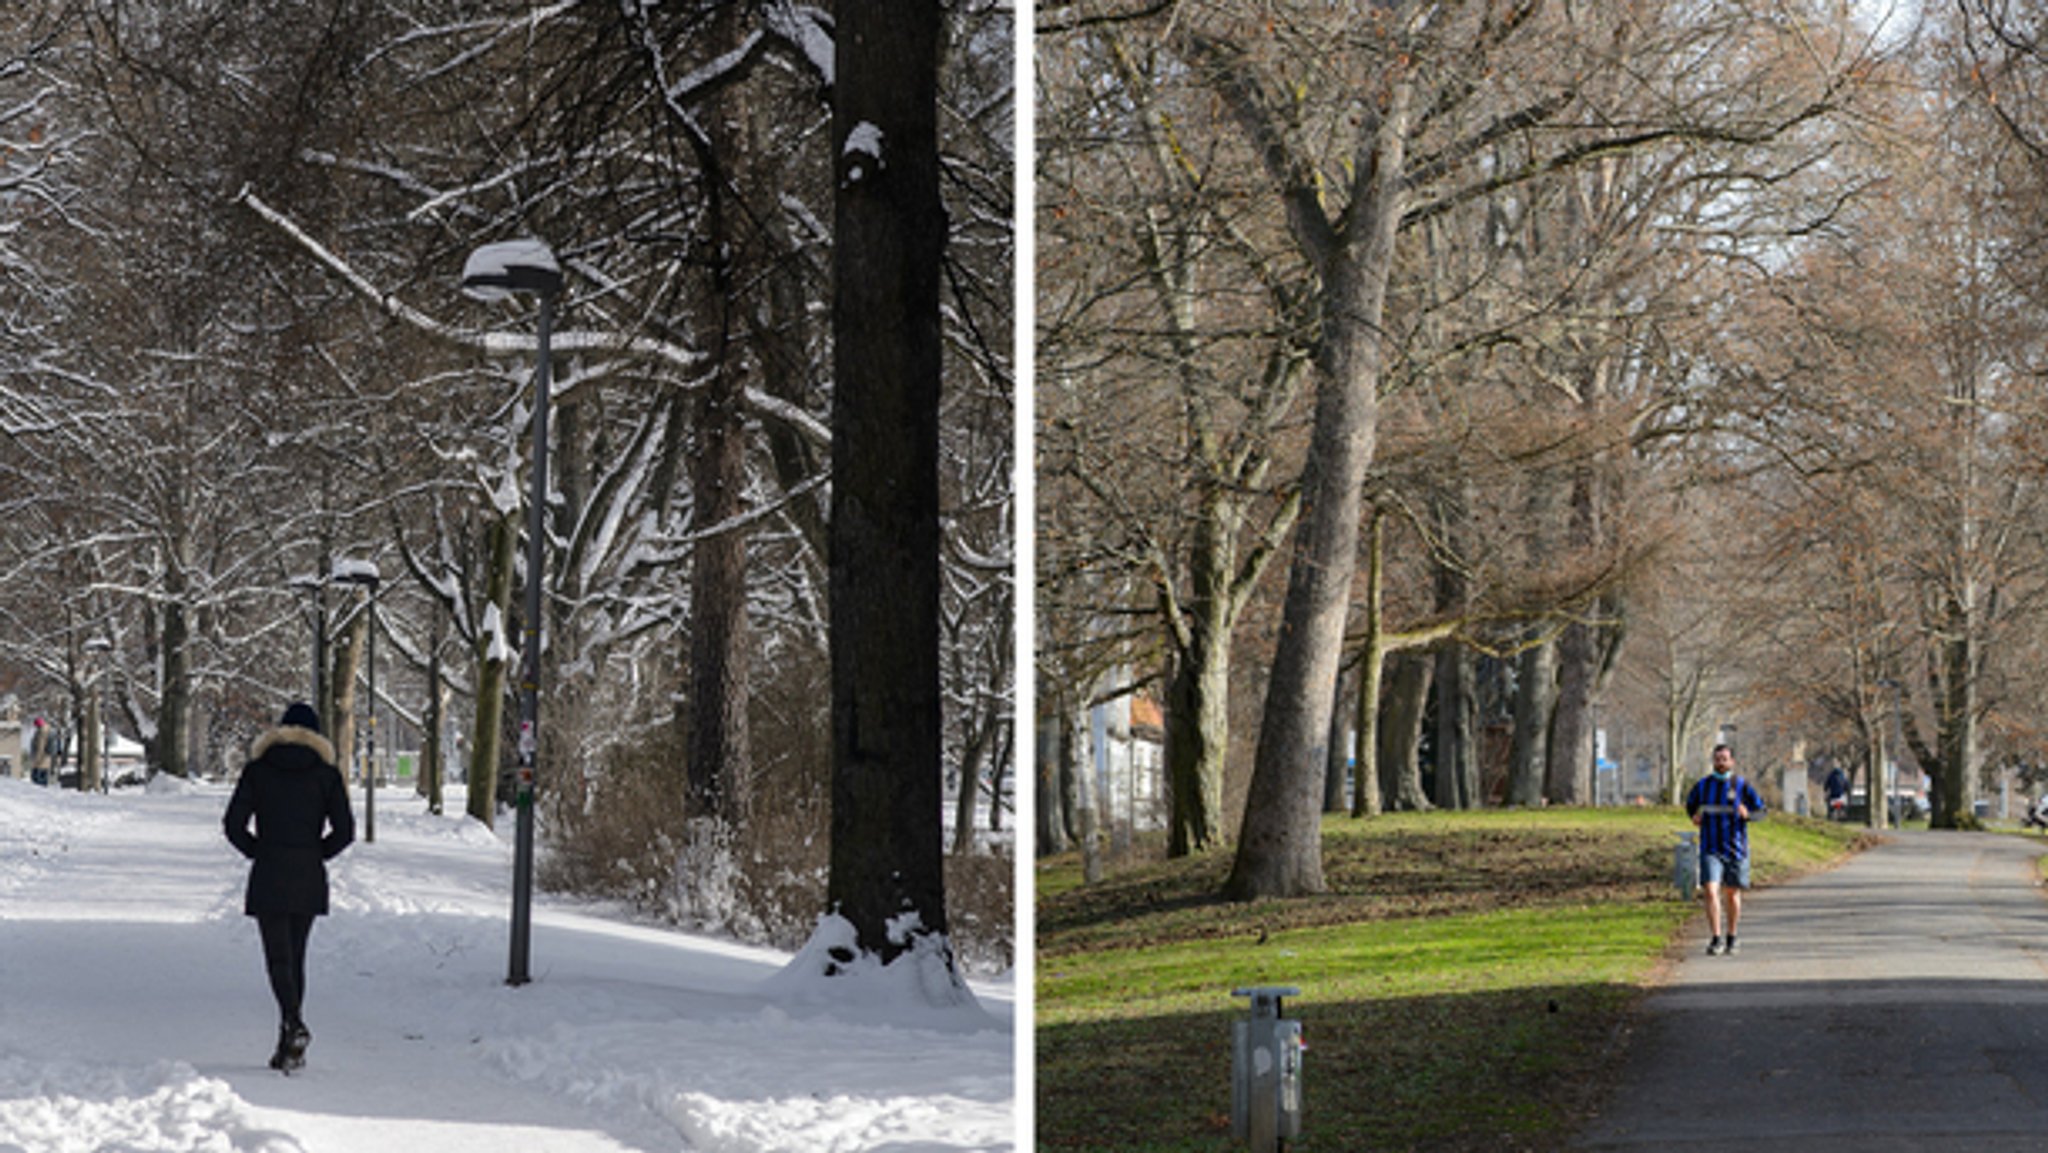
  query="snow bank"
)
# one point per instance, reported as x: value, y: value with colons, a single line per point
x: 166, y: 1107
x: 768, y: 1081
x: 171, y: 785
x: 916, y: 987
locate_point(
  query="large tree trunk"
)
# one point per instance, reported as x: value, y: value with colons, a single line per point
x: 1955, y: 794
x: 887, y: 868
x: 1087, y: 796
x: 1535, y: 693
x: 1198, y: 695
x: 718, y: 740
x: 1878, y: 813
x: 719, y: 651
x: 1681, y: 710
x: 347, y: 653
x: 1584, y: 649
x: 1337, y: 756
x: 1198, y: 739
x: 1456, y: 784
x: 1675, y: 731
x: 997, y: 774
x: 1280, y: 852
x: 1569, y: 768
x: 1456, y: 780
x: 1400, y: 735
x: 434, y: 749
x: 1367, y: 798
x: 174, y: 715
x: 1068, y: 778
x: 1536, y: 670
x: 90, y: 746
x: 971, y: 758
x: 1052, y: 810
x: 501, y: 541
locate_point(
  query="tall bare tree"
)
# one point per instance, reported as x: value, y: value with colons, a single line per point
x: 887, y: 861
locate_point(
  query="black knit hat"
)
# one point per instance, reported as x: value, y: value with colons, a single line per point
x: 301, y: 714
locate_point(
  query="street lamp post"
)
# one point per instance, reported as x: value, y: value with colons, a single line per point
x: 496, y: 272
x: 365, y: 573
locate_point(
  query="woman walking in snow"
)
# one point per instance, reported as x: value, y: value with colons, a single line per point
x: 292, y: 791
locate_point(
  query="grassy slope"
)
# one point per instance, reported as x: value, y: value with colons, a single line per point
x: 1464, y: 984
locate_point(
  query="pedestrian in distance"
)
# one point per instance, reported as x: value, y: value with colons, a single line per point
x: 294, y: 795
x: 2037, y: 814
x: 1722, y: 805
x: 1837, y: 791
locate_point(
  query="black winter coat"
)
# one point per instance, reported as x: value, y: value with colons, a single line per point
x: 293, y: 792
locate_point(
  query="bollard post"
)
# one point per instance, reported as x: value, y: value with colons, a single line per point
x: 1685, y: 866
x: 1265, y: 1083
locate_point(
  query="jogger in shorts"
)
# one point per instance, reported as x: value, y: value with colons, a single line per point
x: 1722, y: 805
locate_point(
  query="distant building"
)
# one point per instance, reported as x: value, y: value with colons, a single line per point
x: 1129, y: 763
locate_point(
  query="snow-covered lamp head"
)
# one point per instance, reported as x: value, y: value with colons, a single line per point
x: 496, y: 271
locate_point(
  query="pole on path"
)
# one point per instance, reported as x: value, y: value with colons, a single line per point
x: 495, y: 272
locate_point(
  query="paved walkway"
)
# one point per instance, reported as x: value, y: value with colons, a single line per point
x: 1899, y: 1002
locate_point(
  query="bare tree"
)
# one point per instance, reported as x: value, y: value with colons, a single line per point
x: 887, y: 876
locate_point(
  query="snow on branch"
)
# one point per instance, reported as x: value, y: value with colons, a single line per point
x: 506, y: 343
x: 809, y: 30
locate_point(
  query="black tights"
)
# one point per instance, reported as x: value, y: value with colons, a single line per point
x: 284, y: 954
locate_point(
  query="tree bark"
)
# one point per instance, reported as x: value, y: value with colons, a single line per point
x: 347, y: 651
x: 1198, y: 741
x: 434, y: 749
x: 1456, y: 780
x: 174, y: 714
x: 1400, y: 735
x: 90, y: 767
x: 1367, y: 798
x: 1955, y: 794
x: 887, y: 863
x: 1052, y: 810
x: 1568, y: 771
x: 1068, y: 779
x: 717, y: 760
x: 971, y: 759
x: 998, y: 772
x: 1279, y: 853
x: 1456, y: 784
x: 1088, y: 814
x: 501, y: 542
x: 1535, y: 694
x: 1337, y: 759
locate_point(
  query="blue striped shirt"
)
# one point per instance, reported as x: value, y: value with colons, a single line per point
x: 1722, y: 832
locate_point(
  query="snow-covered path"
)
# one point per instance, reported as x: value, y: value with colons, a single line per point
x: 134, y: 1014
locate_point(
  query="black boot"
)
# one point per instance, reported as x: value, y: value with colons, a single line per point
x: 281, y: 1057
x: 292, y: 1039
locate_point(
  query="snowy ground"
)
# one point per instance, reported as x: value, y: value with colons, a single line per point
x: 134, y: 1014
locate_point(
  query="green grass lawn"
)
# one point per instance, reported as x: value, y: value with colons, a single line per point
x: 1465, y: 984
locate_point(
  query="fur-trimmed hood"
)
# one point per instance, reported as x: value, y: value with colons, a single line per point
x: 292, y: 735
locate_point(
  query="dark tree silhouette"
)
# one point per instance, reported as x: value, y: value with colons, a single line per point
x: 887, y: 844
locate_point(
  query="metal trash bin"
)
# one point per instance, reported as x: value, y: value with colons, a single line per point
x: 1685, y: 866
x: 1265, y: 1082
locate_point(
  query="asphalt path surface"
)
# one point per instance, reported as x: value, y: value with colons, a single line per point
x: 1898, y: 1002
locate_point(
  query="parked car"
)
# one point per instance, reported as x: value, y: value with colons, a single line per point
x: 1907, y: 804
